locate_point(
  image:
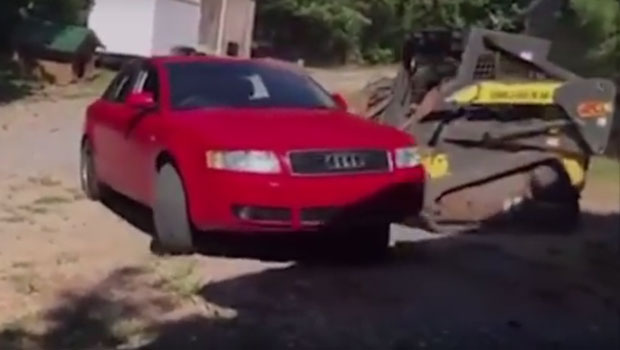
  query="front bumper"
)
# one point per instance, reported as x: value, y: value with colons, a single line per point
x: 227, y: 201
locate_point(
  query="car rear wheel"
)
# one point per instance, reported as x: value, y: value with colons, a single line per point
x: 173, y: 230
x: 91, y: 186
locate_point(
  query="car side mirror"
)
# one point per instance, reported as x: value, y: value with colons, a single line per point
x: 141, y: 100
x: 341, y: 102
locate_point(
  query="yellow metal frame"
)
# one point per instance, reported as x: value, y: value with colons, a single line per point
x: 436, y: 165
x: 515, y: 93
x: 576, y: 170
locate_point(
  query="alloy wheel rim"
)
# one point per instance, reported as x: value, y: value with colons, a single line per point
x: 85, y: 171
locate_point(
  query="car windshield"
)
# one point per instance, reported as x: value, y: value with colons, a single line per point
x: 197, y: 85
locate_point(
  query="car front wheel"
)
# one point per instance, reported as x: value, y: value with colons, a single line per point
x: 173, y: 230
x: 91, y: 186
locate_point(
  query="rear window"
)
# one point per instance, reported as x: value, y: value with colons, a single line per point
x: 196, y: 85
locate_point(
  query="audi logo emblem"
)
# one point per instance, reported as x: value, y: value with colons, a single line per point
x: 344, y: 161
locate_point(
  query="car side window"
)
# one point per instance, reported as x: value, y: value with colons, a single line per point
x: 122, y: 84
x: 149, y: 82
x: 118, y: 89
x: 126, y: 86
x: 112, y: 89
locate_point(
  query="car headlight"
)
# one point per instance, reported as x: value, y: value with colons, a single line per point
x: 406, y: 157
x: 262, y: 162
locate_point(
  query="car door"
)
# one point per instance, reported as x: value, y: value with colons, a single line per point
x: 98, y: 118
x: 142, y: 136
x: 113, y: 116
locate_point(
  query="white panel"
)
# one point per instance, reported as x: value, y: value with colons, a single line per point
x: 209, y: 25
x: 177, y: 22
x: 239, y: 25
x: 124, y: 26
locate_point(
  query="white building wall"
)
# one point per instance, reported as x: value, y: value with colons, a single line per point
x: 237, y: 26
x: 124, y: 26
x: 209, y: 25
x: 177, y: 22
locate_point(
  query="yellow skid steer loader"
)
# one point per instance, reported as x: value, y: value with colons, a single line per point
x: 502, y: 131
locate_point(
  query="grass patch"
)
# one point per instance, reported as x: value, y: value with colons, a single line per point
x: 605, y: 169
x: 52, y: 200
x: 22, y: 333
x: 16, y: 219
x: 45, y: 181
x: 12, y: 85
x: 129, y: 329
x: 101, y: 81
x: 13, y: 336
x: 92, y: 87
x: 21, y: 265
x: 180, y: 278
x: 67, y: 258
x: 48, y: 181
x: 48, y: 229
x: 14, y: 188
x: 25, y: 283
x: 34, y: 210
x: 76, y: 194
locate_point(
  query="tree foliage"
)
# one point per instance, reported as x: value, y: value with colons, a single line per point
x: 373, y: 30
x: 12, y: 12
x: 601, y: 20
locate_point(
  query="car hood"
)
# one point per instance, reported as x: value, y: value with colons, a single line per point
x: 286, y: 129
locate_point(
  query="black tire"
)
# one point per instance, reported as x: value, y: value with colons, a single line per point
x: 91, y: 186
x: 173, y: 229
x: 556, y: 202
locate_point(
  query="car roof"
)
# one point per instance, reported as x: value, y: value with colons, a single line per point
x: 162, y: 60
x: 194, y: 58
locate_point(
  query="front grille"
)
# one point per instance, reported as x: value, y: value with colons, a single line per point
x: 338, y: 162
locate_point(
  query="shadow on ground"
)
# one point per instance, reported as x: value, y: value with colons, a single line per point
x: 449, y: 293
x: 132, y: 212
x: 288, y: 247
x: 275, y: 247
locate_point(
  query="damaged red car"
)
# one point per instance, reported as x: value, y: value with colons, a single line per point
x: 246, y: 146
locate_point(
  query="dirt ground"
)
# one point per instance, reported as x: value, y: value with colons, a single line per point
x: 79, y: 275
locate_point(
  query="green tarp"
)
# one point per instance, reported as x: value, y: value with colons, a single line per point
x: 66, y: 39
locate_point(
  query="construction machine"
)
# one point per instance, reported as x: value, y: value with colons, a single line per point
x: 502, y: 132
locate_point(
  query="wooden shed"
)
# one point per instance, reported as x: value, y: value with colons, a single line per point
x: 59, y: 54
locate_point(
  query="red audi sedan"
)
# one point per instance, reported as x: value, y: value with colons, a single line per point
x: 246, y: 146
